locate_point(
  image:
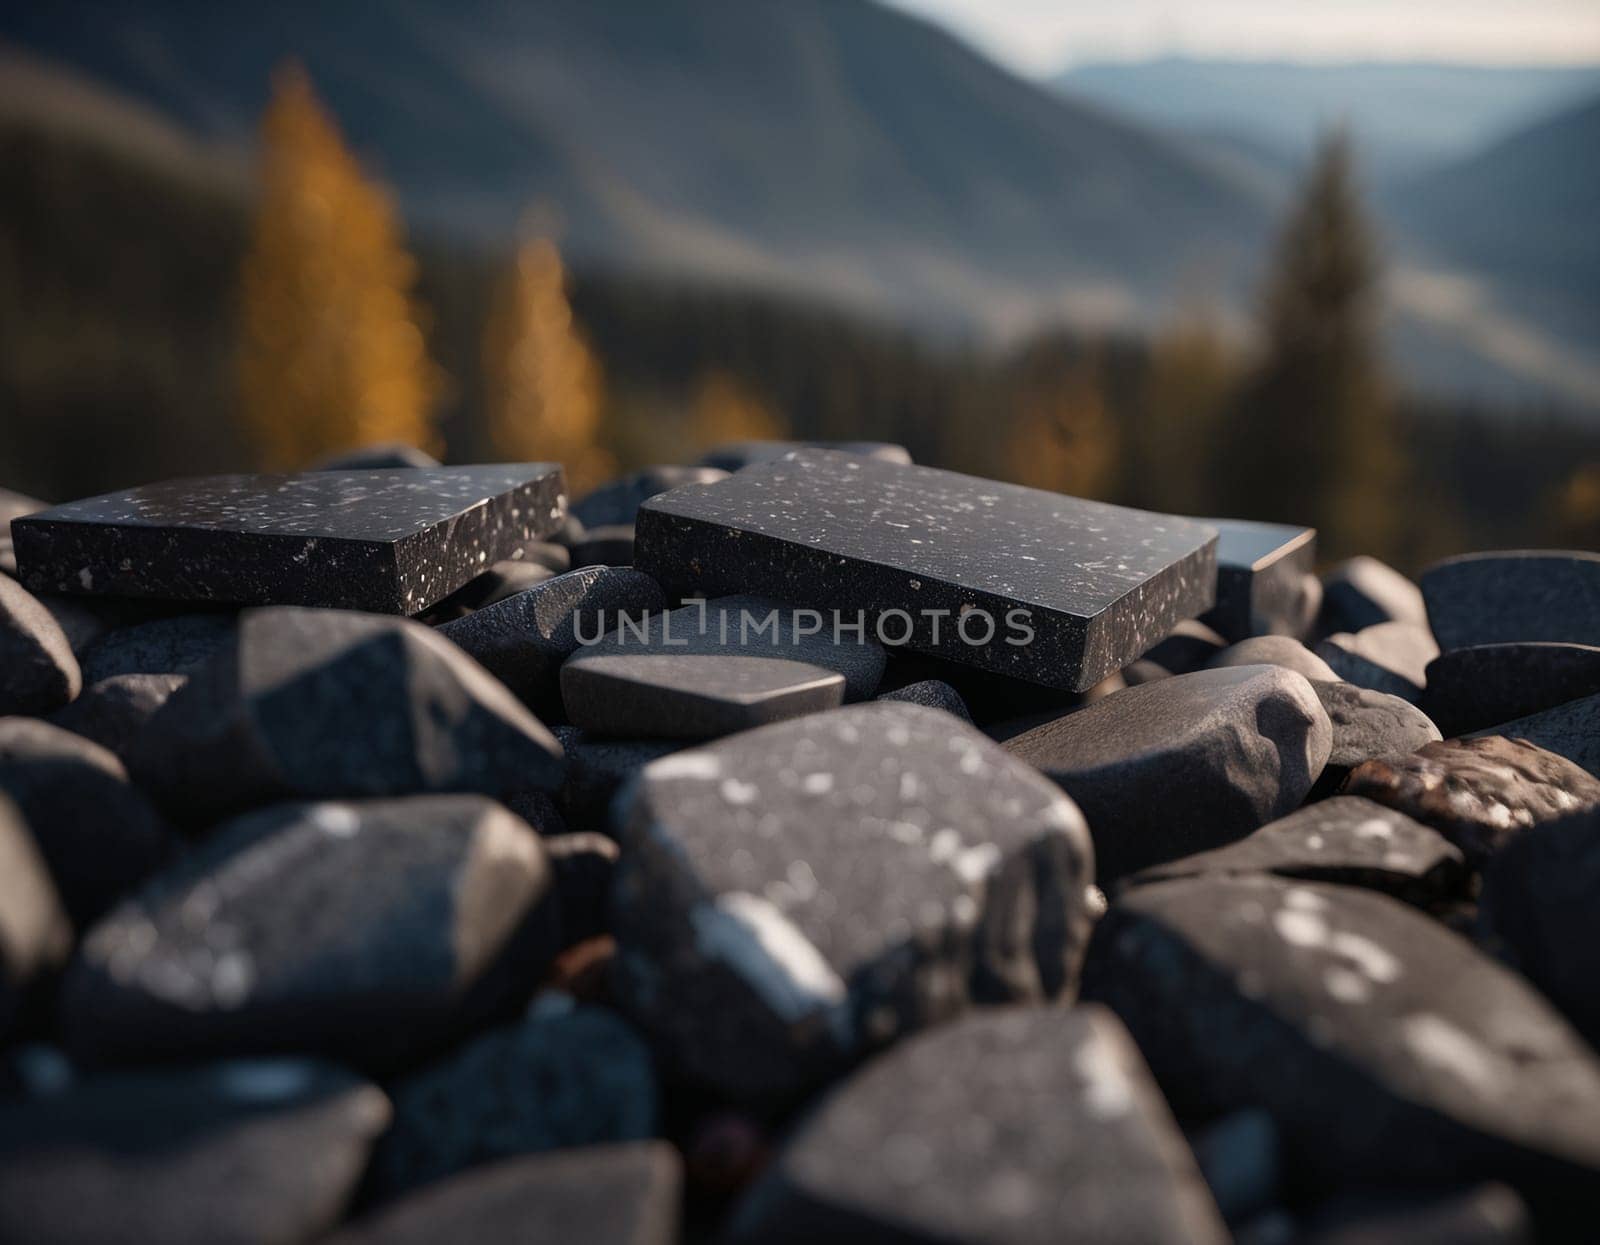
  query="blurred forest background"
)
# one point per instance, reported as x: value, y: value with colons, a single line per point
x: 169, y: 306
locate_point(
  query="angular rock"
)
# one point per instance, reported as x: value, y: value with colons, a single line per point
x: 597, y: 769
x: 257, y: 1152
x: 114, y: 711
x: 737, y: 455
x: 1012, y: 580
x: 523, y: 640
x: 1011, y: 1125
x: 1538, y: 903
x: 1364, y: 592
x: 605, y: 546
x: 35, y: 934
x: 583, y: 864
x: 1505, y: 598
x: 1571, y: 730
x: 668, y: 695
x: 792, y: 895
x: 38, y: 672
x: 391, y: 542
x: 1273, y: 650
x: 1479, y: 793
x: 598, y: 1195
x: 502, y: 580
x: 1346, y: 840
x: 934, y: 693
x: 1189, y: 763
x: 97, y: 834
x: 1187, y: 647
x: 1472, y: 689
x: 369, y: 932
x: 307, y: 704
x: 1261, y: 579
x: 1388, y: 1050
x: 1390, y: 657
x: 177, y: 645
x: 618, y: 502
x: 1368, y: 724
x: 385, y: 457
x: 564, y: 1076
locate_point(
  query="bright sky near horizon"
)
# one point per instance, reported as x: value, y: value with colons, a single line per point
x: 1037, y: 37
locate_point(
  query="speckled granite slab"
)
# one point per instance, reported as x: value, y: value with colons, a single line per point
x: 1071, y: 589
x: 389, y: 542
x: 1261, y: 570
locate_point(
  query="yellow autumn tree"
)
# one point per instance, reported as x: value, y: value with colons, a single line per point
x: 542, y: 384
x: 332, y: 354
x: 723, y: 410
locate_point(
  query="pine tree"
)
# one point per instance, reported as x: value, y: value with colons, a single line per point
x: 1185, y: 395
x: 332, y: 353
x: 542, y: 384
x: 1316, y: 439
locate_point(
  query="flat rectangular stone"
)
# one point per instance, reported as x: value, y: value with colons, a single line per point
x: 1096, y: 585
x: 1261, y: 570
x: 392, y: 542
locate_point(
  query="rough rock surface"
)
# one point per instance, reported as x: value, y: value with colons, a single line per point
x: 934, y: 693
x: 1479, y: 793
x: 1391, y: 657
x: 791, y: 895
x: 1473, y: 689
x: 1264, y: 580
x: 1388, y: 1050
x: 1363, y: 592
x: 114, y: 711
x: 1234, y: 749
x: 1570, y: 730
x: 180, y: 644
x: 38, y: 672
x: 597, y: 769
x: 1500, y: 598
x: 306, y: 704
x: 1273, y: 650
x: 1368, y: 724
x: 256, y: 1152
x: 1012, y: 1125
x: 369, y: 932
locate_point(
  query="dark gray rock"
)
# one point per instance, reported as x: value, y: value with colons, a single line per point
x: 1014, y: 1125
x: 1368, y: 724
x: 177, y: 645
x: 538, y: 809
x: 1239, y: 1157
x: 38, y: 672
x: 13, y: 506
x: 605, y: 546
x: 1538, y: 903
x: 599, y: 1195
x: 307, y: 704
x: 564, y: 1076
x: 392, y: 542
x: 370, y: 932
x: 523, y: 640
x: 597, y: 769
x: 1504, y: 598
x: 1488, y: 1214
x: 502, y: 580
x: 1471, y: 689
x: 98, y: 834
x: 1186, y: 764
x: 584, y: 865
x: 86, y: 620
x: 689, y: 696
x: 988, y: 697
x: 1187, y: 647
x: 256, y: 1152
x: 114, y: 711
x: 934, y: 693
x: 1347, y: 840
x: 1262, y: 570
x: 385, y: 457
x: 35, y: 934
x: 1012, y: 580
x: 1391, y: 657
x: 1571, y: 730
x: 794, y: 894
x: 618, y: 502
x: 548, y: 554
x: 1479, y: 793
x: 1364, y: 592
x: 737, y: 455
x: 1273, y: 650
x: 1388, y: 1050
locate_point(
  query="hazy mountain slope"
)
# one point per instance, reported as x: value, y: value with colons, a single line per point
x: 829, y: 144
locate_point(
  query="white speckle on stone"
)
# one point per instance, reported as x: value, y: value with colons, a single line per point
x: 1346, y: 985
x: 736, y: 792
x: 754, y: 939
x: 232, y: 977
x: 1374, y: 828
x: 817, y: 784
x: 1314, y: 842
x: 973, y: 864
x: 1303, y: 900
x: 1300, y: 929
x: 336, y: 820
x: 86, y: 578
x: 1106, y: 1092
x: 1373, y: 960
x: 702, y: 765
x: 1435, y: 1041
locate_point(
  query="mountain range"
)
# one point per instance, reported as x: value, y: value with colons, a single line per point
x: 839, y: 149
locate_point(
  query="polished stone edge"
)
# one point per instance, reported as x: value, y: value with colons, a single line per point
x: 1262, y: 588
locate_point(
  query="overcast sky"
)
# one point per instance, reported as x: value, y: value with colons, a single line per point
x: 1038, y: 36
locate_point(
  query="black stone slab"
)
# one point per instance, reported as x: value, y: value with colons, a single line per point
x: 1470, y: 689
x: 689, y: 696
x: 1261, y: 571
x: 1504, y: 598
x: 392, y: 542
x: 1095, y: 585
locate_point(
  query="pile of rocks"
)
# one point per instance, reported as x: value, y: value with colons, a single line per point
x: 833, y: 849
